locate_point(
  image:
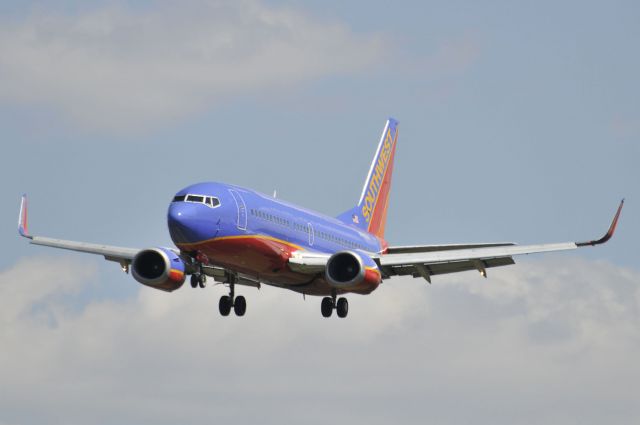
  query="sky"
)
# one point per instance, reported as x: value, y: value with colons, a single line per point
x: 519, y: 121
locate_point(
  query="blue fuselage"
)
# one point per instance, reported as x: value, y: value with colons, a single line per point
x: 254, y: 233
x: 243, y: 212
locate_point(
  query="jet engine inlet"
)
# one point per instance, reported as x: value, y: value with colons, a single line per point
x: 159, y: 268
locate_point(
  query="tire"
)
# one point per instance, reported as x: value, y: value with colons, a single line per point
x: 326, y: 307
x: 342, y: 307
x: 194, y: 281
x: 202, y: 281
x: 240, y: 306
x: 224, y: 305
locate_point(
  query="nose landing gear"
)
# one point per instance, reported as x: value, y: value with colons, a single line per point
x: 198, y: 280
x: 239, y: 303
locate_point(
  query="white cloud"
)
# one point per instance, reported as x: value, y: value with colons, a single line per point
x: 539, y: 342
x: 118, y: 69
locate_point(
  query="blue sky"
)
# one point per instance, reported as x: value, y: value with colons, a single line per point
x: 518, y: 122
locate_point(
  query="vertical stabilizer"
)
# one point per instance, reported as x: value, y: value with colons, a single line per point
x: 371, y: 212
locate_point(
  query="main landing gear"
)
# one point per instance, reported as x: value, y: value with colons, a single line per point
x: 341, y: 305
x: 239, y: 304
x: 227, y: 302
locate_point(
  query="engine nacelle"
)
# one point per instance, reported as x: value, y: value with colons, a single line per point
x: 352, y: 271
x: 159, y: 268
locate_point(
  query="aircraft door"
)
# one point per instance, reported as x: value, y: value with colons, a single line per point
x: 311, y: 235
x: 242, y: 209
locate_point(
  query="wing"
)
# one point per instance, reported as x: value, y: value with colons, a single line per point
x: 220, y: 275
x: 427, y: 261
x: 119, y: 254
x: 309, y: 262
x: 112, y: 253
x: 432, y: 248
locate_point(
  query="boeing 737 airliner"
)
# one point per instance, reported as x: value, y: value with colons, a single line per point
x: 241, y: 237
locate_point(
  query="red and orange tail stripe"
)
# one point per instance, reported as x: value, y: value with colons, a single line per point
x: 376, y: 212
x: 379, y: 214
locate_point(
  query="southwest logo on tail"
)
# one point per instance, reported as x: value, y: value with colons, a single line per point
x: 243, y: 238
x: 371, y: 212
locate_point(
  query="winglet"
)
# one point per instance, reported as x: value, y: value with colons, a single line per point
x: 609, y: 233
x: 23, y: 227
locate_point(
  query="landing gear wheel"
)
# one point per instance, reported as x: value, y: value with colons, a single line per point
x: 240, y: 306
x: 194, y: 280
x: 326, y: 307
x: 202, y: 280
x: 225, y: 305
x: 342, y: 307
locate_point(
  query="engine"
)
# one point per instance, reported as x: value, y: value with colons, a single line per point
x: 352, y: 271
x: 159, y: 268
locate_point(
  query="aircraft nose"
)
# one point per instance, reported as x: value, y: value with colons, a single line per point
x: 183, y: 222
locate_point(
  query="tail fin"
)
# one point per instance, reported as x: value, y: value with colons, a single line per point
x: 371, y: 212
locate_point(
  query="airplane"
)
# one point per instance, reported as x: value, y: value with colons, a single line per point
x: 238, y: 236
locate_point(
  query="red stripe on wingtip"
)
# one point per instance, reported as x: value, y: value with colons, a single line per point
x: 612, y: 229
x: 609, y: 233
x: 25, y: 218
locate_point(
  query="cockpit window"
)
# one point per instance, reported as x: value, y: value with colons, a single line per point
x: 195, y: 198
x: 210, y: 201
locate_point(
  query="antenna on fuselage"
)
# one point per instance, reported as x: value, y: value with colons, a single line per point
x: 275, y: 193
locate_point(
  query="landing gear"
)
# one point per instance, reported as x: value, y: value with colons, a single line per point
x: 326, y: 307
x: 341, y: 305
x: 199, y: 279
x: 240, y: 306
x: 342, y: 308
x: 238, y: 303
x: 225, y: 305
